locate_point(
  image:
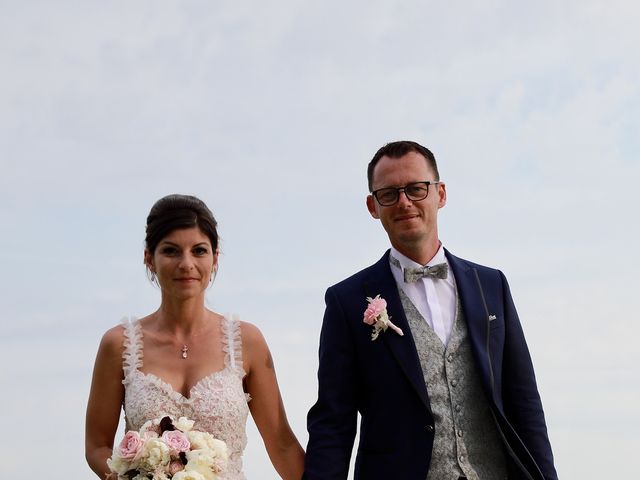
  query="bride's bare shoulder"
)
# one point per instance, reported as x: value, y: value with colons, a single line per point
x: 251, y: 335
x: 112, y: 341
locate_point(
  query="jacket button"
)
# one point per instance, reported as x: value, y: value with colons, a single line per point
x: 430, y: 428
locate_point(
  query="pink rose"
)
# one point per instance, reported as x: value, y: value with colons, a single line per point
x: 130, y: 445
x: 376, y: 307
x: 176, y: 441
x: 175, y: 466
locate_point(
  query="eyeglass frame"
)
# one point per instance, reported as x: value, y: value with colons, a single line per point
x: 374, y: 193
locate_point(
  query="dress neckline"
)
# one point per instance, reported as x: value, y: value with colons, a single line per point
x: 175, y: 394
x: 230, y: 341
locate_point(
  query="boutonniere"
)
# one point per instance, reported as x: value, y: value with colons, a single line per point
x: 376, y: 315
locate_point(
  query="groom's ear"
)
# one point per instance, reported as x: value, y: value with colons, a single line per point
x: 371, y: 206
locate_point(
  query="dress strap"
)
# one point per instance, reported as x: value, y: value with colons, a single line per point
x: 132, y: 352
x: 232, y: 343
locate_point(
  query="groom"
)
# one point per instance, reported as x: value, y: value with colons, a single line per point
x: 447, y: 391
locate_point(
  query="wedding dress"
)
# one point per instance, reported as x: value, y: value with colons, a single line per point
x: 217, y: 403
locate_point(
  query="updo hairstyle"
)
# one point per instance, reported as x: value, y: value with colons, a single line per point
x: 176, y: 212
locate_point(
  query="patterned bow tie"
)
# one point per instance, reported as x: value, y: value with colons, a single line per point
x: 440, y: 270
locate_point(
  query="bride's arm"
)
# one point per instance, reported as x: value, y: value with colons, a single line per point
x: 105, y: 401
x: 267, y: 408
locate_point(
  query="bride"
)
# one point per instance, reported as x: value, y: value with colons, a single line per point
x: 185, y: 360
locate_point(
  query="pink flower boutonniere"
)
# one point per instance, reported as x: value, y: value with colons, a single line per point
x: 376, y: 315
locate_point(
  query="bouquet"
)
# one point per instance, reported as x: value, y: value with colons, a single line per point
x: 164, y: 449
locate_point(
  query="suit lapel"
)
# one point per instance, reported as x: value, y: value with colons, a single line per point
x: 381, y: 282
x: 470, y: 296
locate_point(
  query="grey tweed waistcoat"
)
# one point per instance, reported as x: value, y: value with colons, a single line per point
x: 466, y: 441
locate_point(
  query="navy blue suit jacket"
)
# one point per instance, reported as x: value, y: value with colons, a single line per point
x: 383, y: 381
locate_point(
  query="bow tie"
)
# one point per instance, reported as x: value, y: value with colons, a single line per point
x: 440, y: 270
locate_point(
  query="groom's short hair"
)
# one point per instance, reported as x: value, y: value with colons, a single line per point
x: 399, y: 149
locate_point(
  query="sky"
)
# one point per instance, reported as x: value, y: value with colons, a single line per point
x: 270, y: 112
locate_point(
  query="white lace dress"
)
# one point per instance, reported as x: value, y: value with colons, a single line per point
x: 217, y: 403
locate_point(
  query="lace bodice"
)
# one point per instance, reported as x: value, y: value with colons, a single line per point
x: 217, y: 403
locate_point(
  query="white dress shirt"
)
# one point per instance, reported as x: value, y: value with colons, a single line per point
x: 434, y: 298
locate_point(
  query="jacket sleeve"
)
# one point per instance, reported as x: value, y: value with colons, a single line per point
x: 331, y: 422
x: 520, y: 396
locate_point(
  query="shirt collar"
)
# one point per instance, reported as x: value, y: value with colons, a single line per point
x: 406, y: 262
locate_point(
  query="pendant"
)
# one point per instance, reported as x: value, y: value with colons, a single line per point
x: 185, y: 351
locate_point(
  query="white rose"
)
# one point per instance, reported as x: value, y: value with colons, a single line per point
x: 151, y: 426
x: 148, y: 435
x: 219, y: 448
x: 199, y: 440
x: 184, y: 475
x: 155, y: 453
x: 206, y: 441
x: 118, y: 464
x: 206, y: 463
x: 184, y: 424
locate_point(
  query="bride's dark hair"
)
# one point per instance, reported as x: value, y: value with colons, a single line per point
x: 176, y: 212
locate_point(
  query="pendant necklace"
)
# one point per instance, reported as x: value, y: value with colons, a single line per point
x: 185, y: 351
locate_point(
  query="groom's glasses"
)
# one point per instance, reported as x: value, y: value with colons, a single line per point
x: 414, y: 192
